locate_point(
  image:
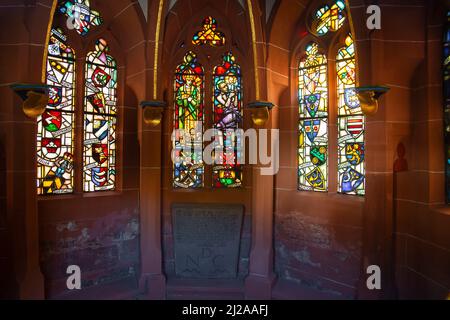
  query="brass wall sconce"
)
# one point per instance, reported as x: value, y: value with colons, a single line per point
x: 260, y: 111
x: 34, y: 96
x: 368, y: 98
x: 153, y: 112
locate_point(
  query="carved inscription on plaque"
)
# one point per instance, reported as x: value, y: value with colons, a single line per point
x: 206, y: 240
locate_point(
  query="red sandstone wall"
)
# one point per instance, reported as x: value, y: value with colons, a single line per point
x: 99, y: 232
x: 101, y: 236
x: 318, y: 237
x: 16, y: 46
x: 323, y: 241
x: 319, y: 241
x: 423, y: 239
x: 5, y: 262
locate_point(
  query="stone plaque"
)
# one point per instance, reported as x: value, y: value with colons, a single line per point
x: 206, y: 240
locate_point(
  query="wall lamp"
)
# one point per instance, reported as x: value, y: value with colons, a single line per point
x: 34, y: 96
x: 260, y: 111
x: 368, y: 98
x: 153, y: 112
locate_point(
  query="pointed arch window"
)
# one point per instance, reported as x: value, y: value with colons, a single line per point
x: 315, y: 166
x: 227, y: 111
x: 224, y: 116
x: 100, y: 120
x: 351, y: 124
x: 313, y: 124
x: 188, y: 170
x: 55, y: 137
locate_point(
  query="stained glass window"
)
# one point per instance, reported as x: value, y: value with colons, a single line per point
x: 188, y: 168
x: 80, y: 14
x: 209, y: 34
x: 56, y: 126
x: 227, y: 111
x: 351, y: 123
x: 447, y: 101
x: 313, y: 124
x: 100, y: 120
x: 329, y: 19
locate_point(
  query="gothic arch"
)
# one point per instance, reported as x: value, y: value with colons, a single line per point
x: 124, y: 30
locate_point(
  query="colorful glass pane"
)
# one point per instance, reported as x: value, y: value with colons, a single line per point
x: 209, y: 34
x: 187, y: 154
x: 346, y: 71
x: 329, y: 19
x: 313, y: 155
x: 351, y: 124
x: 227, y: 110
x: 313, y: 85
x: 446, y: 67
x: 100, y: 110
x: 55, y: 143
x: 80, y: 15
x: 313, y: 124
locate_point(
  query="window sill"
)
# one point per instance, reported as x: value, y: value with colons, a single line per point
x: 114, y: 193
x: 331, y: 196
x: 80, y: 196
x: 182, y: 190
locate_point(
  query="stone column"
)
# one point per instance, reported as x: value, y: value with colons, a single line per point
x: 152, y: 281
x: 377, y: 213
x: 259, y: 283
x: 22, y: 61
x: 261, y: 278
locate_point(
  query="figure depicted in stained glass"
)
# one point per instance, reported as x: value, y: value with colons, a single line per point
x: 188, y: 120
x: 209, y: 34
x: 313, y: 124
x: 100, y: 120
x: 446, y: 66
x: 227, y: 101
x: 80, y: 14
x: 55, y: 127
x: 188, y: 98
x: 351, y: 124
x: 329, y: 19
x: 227, y: 118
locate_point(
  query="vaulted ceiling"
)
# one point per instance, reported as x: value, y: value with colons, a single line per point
x: 269, y: 6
